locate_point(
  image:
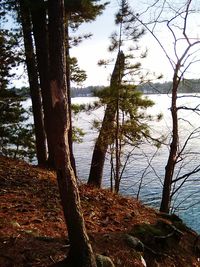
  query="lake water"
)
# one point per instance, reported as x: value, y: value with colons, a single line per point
x: 147, y: 163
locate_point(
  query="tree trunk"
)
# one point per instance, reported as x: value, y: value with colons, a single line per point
x: 105, y: 135
x: 38, y: 13
x: 80, y: 254
x: 34, y: 86
x: 169, y: 169
x: 117, y: 147
x: 70, y: 133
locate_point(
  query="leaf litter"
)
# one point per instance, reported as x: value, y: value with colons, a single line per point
x: 33, y: 232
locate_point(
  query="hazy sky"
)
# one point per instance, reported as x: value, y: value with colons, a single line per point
x: 90, y: 51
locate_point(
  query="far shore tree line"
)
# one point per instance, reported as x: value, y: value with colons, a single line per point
x: 187, y: 86
x: 44, y: 26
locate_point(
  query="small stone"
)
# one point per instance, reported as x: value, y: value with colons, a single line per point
x: 104, y: 261
x: 134, y: 243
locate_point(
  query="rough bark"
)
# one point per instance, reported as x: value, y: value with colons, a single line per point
x: 80, y: 254
x: 169, y: 169
x: 34, y: 85
x: 38, y: 13
x: 105, y: 135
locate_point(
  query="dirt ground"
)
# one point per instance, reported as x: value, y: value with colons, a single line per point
x: 33, y: 232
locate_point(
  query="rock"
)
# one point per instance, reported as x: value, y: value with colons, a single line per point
x: 134, y: 243
x: 104, y: 261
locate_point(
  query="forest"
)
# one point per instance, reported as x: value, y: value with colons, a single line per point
x: 48, y: 216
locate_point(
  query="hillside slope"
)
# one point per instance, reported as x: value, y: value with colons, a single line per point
x: 32, y: 229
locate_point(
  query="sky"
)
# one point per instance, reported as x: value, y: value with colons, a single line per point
x: 90, y: 51
x: 96, y: 48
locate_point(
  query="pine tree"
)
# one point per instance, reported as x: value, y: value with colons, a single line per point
x: 123, y: 102
x: 16, y: 134
x: 80, y: 253
x: 40, y: 137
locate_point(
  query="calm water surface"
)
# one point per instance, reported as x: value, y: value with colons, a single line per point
x: 186, y: 202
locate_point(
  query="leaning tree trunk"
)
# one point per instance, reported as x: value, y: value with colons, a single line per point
x: 34, y: 85
x: 169, y: 169
x: 39, y: 20
x: 80, y: 253
x: 105, y: 135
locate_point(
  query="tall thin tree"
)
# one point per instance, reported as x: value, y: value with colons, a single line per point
x: 40, y: 33
x: 80, y: 254
x: 176, y: 22
x: 76, y: 13
x: 109, y: 131
x: 33, y: 81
